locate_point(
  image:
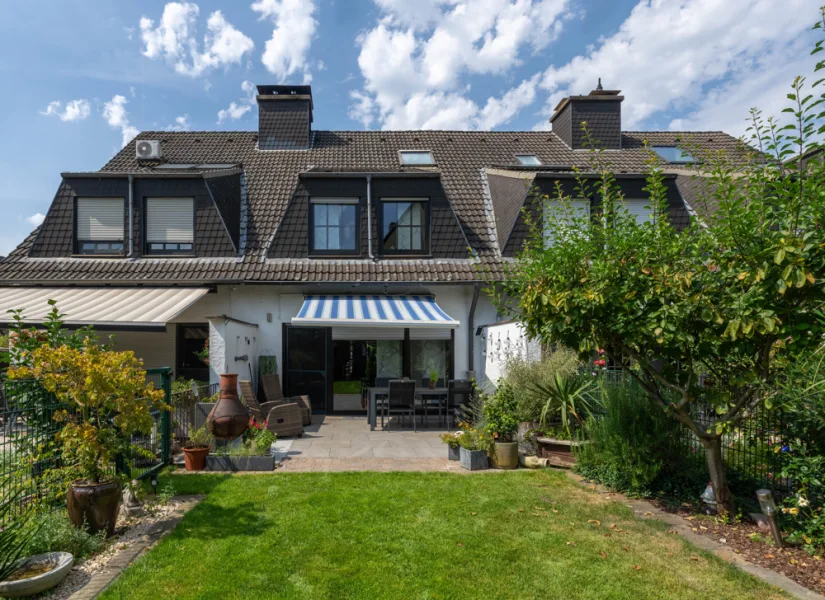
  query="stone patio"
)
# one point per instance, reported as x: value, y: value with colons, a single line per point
x: 344, y: 443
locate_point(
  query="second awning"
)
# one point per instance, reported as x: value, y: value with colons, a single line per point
x: 381, y: 311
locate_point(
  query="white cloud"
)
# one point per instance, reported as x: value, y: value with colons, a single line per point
x: 181, y: 124
x: 175, y: 40
x: 414, y: 59
x: 76, y: 110
x: 238, y: 109
x: 36, y: 219
x: 286, y: 51
x: 674, y: 56
x: 114, y: 111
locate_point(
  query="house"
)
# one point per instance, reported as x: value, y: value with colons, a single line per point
x: 346, y: 255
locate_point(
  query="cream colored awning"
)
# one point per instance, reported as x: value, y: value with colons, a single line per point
x: 106, y: 308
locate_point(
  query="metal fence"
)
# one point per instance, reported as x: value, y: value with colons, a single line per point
x: 31, y: 458
x: 188, y: 410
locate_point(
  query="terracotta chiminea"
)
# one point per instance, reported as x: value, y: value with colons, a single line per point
x: 228, y: 418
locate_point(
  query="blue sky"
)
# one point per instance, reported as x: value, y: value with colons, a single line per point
x: 82, y: 76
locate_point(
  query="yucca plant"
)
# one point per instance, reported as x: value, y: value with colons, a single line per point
x: 16, y: 533
x: 571, y: 398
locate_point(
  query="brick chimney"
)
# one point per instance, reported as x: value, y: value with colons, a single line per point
x: 284, y: 117
x: 602, y: 111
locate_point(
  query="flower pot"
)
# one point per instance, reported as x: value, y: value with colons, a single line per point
x: 452, y: 452
x: 432, y: 384
x: 60, y: 563
x: 506, y: 455
x: 94, y: 505
x: 560, y: 453
x: 473, y: 460
x: 195, y: 458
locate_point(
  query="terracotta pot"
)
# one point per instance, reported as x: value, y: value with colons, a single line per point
x: 195, y: 458
x: 229, y: 418
x: 432, y: 384
x: 506, y: 455
x: 94, y: 505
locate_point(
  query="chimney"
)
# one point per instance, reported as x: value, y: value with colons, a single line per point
x: 284, y: 117
x: 602, y: 111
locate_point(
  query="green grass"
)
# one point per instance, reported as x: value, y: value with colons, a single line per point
x: 420, y: 535
x: 346, y: 387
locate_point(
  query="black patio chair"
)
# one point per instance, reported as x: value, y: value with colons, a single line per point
x: 459, y: 393
x: 401, y: 401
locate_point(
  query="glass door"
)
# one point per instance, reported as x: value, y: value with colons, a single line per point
x: 307, y: 353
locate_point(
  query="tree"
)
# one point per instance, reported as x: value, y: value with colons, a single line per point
x: 709, y: 315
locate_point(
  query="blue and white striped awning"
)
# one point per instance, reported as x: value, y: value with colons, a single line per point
x: 382, y: 311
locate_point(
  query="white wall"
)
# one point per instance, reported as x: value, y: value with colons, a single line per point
x: 501, y: 343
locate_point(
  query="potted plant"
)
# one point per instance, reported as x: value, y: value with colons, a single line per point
x: 108, y: 402
x: 254, y: 453
x: 196, y: 448
x: 500, y: 414
x: 433, y: 379
x: 451, y: 439
x: 569, y: 401
x: 474, y: 448
x: 203, y: 353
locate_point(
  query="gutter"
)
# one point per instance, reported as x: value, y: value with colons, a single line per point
x: 131, y: 216
x: 369, y: 217
x: 471, y: 332
x: 377, y: 175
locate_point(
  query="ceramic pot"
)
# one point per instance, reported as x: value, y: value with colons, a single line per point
x: 229, y: 418
x: 506, y: 455
x: 453, y: 453
x: 94, y: 505
x: 432, y: 384
x: 195, y: 458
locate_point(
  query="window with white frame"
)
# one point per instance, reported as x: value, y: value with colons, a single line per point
x: 99, y: 225
x: 170, y: 225
x: 334, y: 226
x: 565, y: 215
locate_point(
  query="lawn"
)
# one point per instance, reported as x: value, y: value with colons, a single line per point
x: 525, y: 534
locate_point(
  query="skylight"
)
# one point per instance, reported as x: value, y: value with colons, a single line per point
x: 672, y: 154
x: 528, y: 160
x: 416, y: 157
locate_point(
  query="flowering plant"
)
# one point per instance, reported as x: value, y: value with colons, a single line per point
x: 451, y: 439
x: 803, y: 518
x: 473, y: 439
x: 259, y: 437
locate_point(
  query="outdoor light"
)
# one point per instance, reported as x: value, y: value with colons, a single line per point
x: 768, y: 507
x: 154, y: 484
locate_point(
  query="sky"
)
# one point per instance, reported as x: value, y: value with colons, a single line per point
x: 83, y: 77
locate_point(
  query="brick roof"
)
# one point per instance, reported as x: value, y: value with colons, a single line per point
x: 273, y: 176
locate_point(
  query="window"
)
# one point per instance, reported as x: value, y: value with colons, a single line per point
x: 334, y: 226
x: 639, y: 208
x: 672, y: 154
x: 528, y: 160
x: 565, y: 215
x: 170, y: 224
x: 404, y: 226
x: 99, y: 225
x: 417, y: 157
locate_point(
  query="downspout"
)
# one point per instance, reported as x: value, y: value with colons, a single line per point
x: 131, y: 216
x: 471, y: 332
x: 369, y: 217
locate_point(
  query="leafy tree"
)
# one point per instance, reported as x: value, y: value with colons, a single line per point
x: 709, y: 315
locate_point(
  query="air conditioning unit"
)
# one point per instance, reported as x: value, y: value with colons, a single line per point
x: 147, y: 149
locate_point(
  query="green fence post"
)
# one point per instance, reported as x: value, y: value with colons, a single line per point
x: 165, y: 419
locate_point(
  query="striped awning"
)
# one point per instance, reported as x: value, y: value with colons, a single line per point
x: 381, y: 311
x: 104, y: 308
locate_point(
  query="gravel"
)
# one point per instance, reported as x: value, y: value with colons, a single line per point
x: 127, y: 532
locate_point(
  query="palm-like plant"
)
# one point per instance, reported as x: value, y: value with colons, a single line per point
x: 17, y: 532
x: 570, y: 398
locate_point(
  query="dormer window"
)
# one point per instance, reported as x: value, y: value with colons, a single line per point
x: 674, y: 155
x: 170, y: 225
x: 416, y: 157
x: 405, y: 226
x: 333, y: 226
x: 528, y: 160
x: 99, y: 225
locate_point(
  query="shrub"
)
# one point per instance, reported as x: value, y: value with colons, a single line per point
x: 523, y: 375
x: 501, y: 413
x: 636, y: 449
x: 198, y: 438
x: 58, y: 534
x: 803, y: 514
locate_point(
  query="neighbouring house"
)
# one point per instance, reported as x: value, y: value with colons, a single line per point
x: 348, y: 256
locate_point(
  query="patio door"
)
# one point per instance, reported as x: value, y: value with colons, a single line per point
x: 307, y: 352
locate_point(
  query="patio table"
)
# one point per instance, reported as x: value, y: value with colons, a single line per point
x: 420, y: 392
